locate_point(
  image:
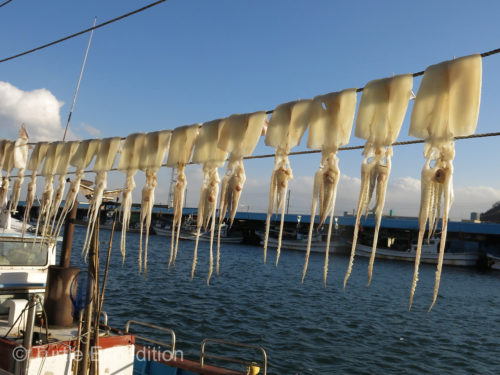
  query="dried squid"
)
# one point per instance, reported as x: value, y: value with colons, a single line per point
x: 61, y: 170
x: 7, y: 163
x: 103, y: 163
x: 179, y: 154
x: 446, y: 106
x: 156, y: 146
x: 332, y: 116
x: 20, y: 155
x: 36, y: 158
x: 239, y: 136
x: 48, y: 171
x: 81, y: 159
x: 286, y: 127
x: 210, y: 157
x: 380, y: 116
x: 130, y: 157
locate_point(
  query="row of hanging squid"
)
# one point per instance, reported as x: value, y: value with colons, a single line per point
x: 446, y: 106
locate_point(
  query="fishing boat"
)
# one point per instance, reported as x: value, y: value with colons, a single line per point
x: 24, y: 260
x: 297, y: 240
x: 430, y: 252
x: 493, y: 261
x: 46, y: 326
x: 188, y: 232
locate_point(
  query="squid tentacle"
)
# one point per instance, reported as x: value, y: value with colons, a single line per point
x: 318, y: 180
x: 270, y: 209
x: 447, y: 187
x: 333, y: 179
x: 126, y: 208
x: 367, y: 169
x: 147, y: 203
x: 70, y: 200
x: 100, y: 186
x: 283, y: 176
x: 179, y: 190
x: 427, y: 190
x: 382, y: 173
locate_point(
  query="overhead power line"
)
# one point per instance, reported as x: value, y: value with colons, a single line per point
x: 5, y: 3
x: 81, y: 32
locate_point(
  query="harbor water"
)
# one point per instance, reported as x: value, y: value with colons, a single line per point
x: 307, y: 328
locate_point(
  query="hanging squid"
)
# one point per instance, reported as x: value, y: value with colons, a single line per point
x: 446, y: 106
x: 179, y: 154
x: 36, y: 158
x: 48, y: 171
x: 103, y: 163
x: 61, y: 170
x: 380, y: 116
x: 156, y: 146
x: 7, y: 159
x: 20, y: 155
x: 332, y: 116
x: 210, y: 157
x: 132, y: 152
x: 81, y: 159
x: 286, y: 127
x: 239, y: 136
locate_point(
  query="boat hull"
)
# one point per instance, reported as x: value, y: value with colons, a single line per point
x: 450, y: 259
x: 337, y: 246
x: 205, y: 237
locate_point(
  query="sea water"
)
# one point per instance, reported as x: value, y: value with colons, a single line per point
x: 307, y: 328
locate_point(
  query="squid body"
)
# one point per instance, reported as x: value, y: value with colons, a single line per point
x: 332, y: 116
x: 7, y: 162
x: 67, y: 152
x: 48, y: 171
x: 179, y: 154
x: 210, y: 157
x: 36, y: 159
x: 103, y: 163
x: 156, y: 145
x: 20, y: 156
x: 286, y: 127
x: 380, y: 115
x: 239, y: 136
x: 446, y: 106
x: 81, y: 159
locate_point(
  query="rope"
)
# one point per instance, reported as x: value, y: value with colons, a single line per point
x: 83, y: 31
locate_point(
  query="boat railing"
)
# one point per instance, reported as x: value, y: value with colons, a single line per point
x: 170, y: 345
x: 249, y: 364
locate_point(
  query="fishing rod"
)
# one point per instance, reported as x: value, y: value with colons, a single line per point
x: 79, y: 81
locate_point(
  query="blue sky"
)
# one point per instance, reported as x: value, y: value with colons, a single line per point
x: 187, y: 61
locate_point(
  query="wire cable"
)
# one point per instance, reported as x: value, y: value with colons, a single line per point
x: 5, y: 3
x: 83, y: 31
x: 307, y: 152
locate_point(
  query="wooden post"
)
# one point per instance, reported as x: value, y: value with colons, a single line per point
x: 69, y: 229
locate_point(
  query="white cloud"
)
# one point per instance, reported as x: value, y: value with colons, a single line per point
x: 90, y: 130
x: 39, y: 110
x: 403, y: 196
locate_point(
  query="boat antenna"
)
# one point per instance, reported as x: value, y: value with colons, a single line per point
x: 79, y: 80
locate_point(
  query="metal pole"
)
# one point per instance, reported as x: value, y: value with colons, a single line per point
x: 28, y: 334
x: 79, y: 80
x: 288, y: 201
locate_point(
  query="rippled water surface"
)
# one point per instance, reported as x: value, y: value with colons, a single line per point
x: 306, y: 328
